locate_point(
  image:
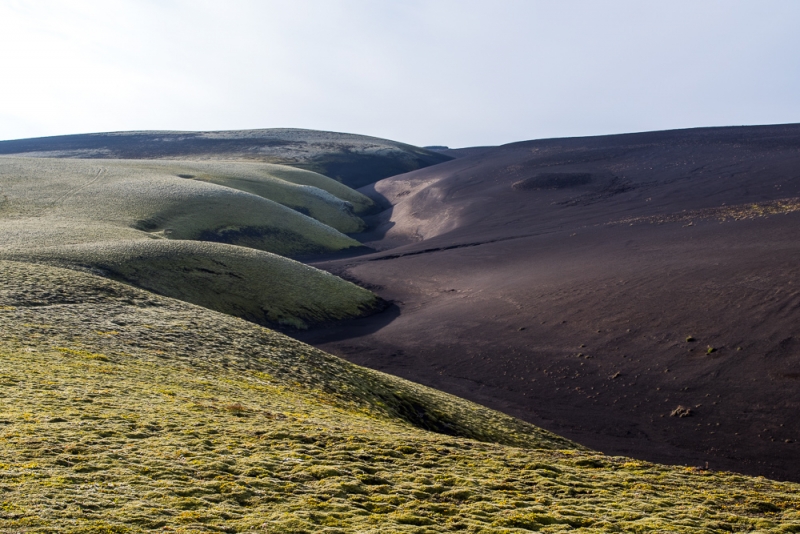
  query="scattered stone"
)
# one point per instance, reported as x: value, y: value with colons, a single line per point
x: 681, y: 411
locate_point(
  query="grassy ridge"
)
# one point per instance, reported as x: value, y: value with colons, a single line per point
x: 310, y: 193
x: 257, y: 172
x: 152, y: 198
x: 354, y: 160
x: 251, y: 284
x: 150, y: 224
x: 124, y: 411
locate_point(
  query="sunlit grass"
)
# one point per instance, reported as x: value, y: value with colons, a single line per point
x: 171, y: 228
x: 123, y: 411
x: 49, y: 202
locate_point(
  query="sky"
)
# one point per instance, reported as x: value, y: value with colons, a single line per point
x: 426, y: 72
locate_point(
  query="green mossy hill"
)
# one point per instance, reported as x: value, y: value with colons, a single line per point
x: 123, y: 411
x: 354, y: 160
x: 45, y: 202
x: 310, y: 193
x: 158, y: 225
x: 251, y: 284
x: 257, y: 178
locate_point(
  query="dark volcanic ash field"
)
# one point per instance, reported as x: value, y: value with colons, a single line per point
x: 595, y: 286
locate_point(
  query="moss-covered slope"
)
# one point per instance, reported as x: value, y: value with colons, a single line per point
x: 165, y: 227
x: 251, y: 284
x: 43, y: 194
x: 310, y: 193
x: 123, y: 411
x: 259, y: 179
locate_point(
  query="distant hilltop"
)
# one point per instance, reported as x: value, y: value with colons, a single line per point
x: 354, y: 160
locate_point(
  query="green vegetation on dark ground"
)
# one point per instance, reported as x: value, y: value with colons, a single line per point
x: 124, y: 411
x: 361, y: 203
x: 737, y: 212
x: 254, y: 174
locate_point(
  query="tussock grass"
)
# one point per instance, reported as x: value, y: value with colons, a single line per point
x: 195, y: 421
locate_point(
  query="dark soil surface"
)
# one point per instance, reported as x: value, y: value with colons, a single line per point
x: 460, y: 152
x: 665, y: 276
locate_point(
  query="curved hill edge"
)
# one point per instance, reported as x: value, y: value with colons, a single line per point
x: 258, y: 286
x: 153, y: 198
x: 55, y: 291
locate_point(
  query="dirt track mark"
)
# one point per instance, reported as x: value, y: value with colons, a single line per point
x: 450, y: 247
x: 77, y: 190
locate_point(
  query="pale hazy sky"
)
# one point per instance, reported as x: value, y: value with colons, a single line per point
x: 452, y: 72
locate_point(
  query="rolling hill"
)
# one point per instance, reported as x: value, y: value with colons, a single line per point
x: 636, y: 294
x: 354, y: 160
x: 189, y: 230
x: 123, y: 411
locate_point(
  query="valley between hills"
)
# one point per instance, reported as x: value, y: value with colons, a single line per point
x: 299, y: 331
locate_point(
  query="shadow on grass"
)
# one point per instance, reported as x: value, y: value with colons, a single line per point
x: 347, y: 329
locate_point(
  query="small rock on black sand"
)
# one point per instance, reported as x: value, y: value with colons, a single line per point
x: 681, y: 411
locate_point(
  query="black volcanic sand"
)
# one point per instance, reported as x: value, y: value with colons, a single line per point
x: 524, y: 298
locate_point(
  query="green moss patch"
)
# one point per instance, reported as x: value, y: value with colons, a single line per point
x: 738, y: 212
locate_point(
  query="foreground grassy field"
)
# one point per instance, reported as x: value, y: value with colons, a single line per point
x: 123, y: 411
